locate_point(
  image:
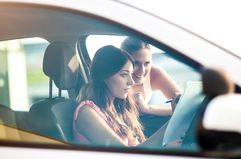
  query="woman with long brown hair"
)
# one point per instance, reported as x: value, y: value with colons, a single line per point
x: 106, y: 114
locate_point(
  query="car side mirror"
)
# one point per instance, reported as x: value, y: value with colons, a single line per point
x: 219, y: 130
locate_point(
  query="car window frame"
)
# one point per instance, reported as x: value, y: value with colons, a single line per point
x: 176, y: 54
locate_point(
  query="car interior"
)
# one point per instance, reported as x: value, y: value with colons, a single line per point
x: 63, y: 63
x: 60, y: 64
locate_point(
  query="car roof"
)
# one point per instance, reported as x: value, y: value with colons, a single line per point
x: 217, y: 21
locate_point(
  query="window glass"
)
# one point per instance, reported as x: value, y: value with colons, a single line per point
x: 23, y: 81
x: 23, y: 84
x: 94, y: 42
x: 181, y: 73
x: 22, y: 69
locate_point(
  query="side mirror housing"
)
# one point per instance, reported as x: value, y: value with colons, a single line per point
x: 220, y: 126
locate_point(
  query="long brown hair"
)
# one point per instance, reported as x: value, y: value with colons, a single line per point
x: 124, y: 116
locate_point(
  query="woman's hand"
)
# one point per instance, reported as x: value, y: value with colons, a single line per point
x: 139, y: 99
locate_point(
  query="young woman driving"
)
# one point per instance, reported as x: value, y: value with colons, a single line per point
x: 107, y: 115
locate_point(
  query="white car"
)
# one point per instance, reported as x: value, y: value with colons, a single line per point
x: 46, y: 48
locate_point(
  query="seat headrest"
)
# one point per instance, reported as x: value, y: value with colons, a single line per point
x: 61, y: 65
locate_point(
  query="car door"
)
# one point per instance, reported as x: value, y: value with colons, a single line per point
x: 85, y: 27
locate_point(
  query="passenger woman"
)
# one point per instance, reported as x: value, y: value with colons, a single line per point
x: 149, y: 78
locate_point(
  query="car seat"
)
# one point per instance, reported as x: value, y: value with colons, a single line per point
x: 7, y: 116
x: 53, y: 116
x: 7, y: 122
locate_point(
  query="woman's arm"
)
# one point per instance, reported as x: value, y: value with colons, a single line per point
x: 95, y: 129
x: 161, y: 80
x: 165, y: 109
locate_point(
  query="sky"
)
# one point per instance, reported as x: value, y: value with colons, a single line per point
x: 216, y: 20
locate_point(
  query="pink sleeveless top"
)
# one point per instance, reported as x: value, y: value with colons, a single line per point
x: 81, y: 138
